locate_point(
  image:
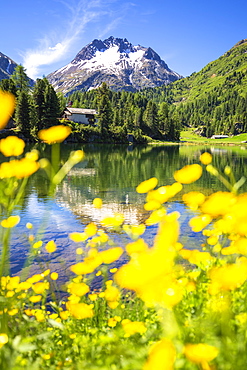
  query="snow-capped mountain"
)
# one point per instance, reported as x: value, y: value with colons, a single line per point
x: 115, y: 61
x: 7, y: 66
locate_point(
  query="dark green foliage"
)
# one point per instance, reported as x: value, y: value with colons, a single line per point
x: 22, y: 114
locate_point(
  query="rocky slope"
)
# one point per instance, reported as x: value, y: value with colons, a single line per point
x: 115, y: 61
x: 7, y: 66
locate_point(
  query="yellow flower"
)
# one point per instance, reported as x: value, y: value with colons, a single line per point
x: 51, y: 246
x: 80, y: 310
x: 97, y: 202
x: 7, y: 107
x: 33, y: 155
x: 227, y: 277
x: 114, y: 221
x: 12, y: 146
x: 54, y: 134
x: 90, y: 229
x: 112, y: 294
x: 39, y: 288
x: 218, y: 204
x: 86, y: 267
x: 3, y: 337
x: 199, y: 222
x: 13, y: 312
x: 133, y: 327
x: 10, y: 222
x: 110, y: 255
x: 193, y: 199
x: 35, y: 298
x: 206, y: 158
x: 147, y: 185
x: 112, y: 322
x: 188, y: 174
x: 136, y: 247
x: 200, y: 353
x: 162, y: 356
x: 78, y: 289
x: 54, y: 276
x: 38, y: 244
x: 29, y: 225
x: 163, y: 193
x: 78, y: 237
x: 25, y: 167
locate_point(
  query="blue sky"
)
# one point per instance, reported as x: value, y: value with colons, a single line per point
x: 44, y: 35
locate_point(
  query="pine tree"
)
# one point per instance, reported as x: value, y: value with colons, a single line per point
x: 20, y: 79
x: 104, y: 108
x: 22, y: 114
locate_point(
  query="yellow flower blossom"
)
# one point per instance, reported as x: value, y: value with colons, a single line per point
x: 78, y: 237
x: 78, y: 289
x: 147, y: 185
x: 110, y: 255
x: 112, y: 294
x: 162, y: 355
x: 200, y: 222
x: 54, y: 276
x: 114, y: 221
x: 206, y: 158
x: 38, y: 244
x: 54, y: 134
x: 227, y: 277
x: 12, y: 146
x: 80, y: 310
x: 90, y: 229
x: 7, y: 107
x: 64, y: 315
x: 200, y: 353
x: 155, y: 217
x: 137, y: 247
x: 35, y: 298
x: 33, y: 155
x: 164, y: 193
x: 86, y: 267
x: 133, y: 327
x: 34, y: 279
x: 218, y: 204
x: 39, y: 288
x: 3, y: 337
x: 51, y: 246
x: 196, y: 257
x: 188, y: 174
x: 13, y: 312
x: 29, y: 225
x: 97, y: 202
x: 193, y: 199
x: 10, y: 222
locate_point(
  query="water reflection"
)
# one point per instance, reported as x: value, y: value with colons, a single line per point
x: 111, y: 173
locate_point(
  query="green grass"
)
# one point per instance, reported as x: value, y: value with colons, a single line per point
x: 190, y: 137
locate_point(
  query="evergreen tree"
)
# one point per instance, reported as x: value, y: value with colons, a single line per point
x: 104, y: 107
x: 8, y: 85
x: 150, y: 116
x: 20, y: 79
x: 22, y: 114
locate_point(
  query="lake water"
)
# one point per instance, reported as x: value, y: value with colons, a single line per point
x: 111, y: 173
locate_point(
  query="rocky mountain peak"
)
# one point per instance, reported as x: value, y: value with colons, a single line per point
x: 115, y: 61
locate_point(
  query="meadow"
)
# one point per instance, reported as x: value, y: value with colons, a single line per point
x: 167, y: 308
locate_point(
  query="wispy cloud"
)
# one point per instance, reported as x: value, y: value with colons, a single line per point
x: 54, y: 47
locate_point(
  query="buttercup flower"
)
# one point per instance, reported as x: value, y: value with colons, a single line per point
x: 147, y: 185
x: 54, y: 134
x: 188, y: 174
x: 206, y: 158
x: 200, y: 353
x: 3, y: 339
x: 7, y: 107
x: 10, y: 222
x: 161, y: 356
x: 51, y: 246
x: 12, y: 146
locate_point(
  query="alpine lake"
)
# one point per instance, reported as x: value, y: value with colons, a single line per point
x: 111, y: 172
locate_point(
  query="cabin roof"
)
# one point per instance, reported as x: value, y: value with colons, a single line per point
x: 69, y: 110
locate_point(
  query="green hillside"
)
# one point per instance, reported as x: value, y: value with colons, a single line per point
x: 213, y: 100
